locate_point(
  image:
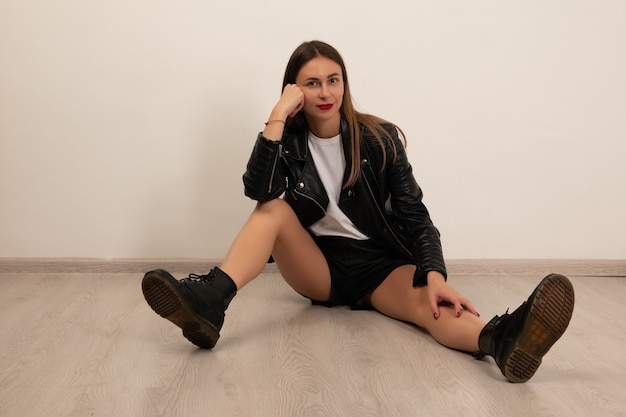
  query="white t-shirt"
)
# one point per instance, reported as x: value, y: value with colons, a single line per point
x: 331, y: 164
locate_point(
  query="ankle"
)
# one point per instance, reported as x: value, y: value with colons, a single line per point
x: 487, y: 338
x: 238, y: 275
x: 223, y: 283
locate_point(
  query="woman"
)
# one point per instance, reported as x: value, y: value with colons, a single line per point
x: 351, y: 230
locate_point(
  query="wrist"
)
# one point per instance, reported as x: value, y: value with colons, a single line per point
x: 435, y: 276
x: 274, y: 126
x: 269, y: 122
x: 278, y: 114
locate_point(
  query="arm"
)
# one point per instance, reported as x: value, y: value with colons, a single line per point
x: 410, y: 210
x: 290, y: 103
x: 263, y: 180
x: 412, y: 215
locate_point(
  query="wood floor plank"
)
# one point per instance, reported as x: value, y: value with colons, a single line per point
x: 88, y: 345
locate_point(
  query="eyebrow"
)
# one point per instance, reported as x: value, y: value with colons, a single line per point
x: 336, y: 74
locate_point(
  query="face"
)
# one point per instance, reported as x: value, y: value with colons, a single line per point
x: 321, y: 81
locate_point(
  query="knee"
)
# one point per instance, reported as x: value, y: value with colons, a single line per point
x: 410, y: 305
x: 276, y: 209
x: 420, y: 307
x: 277, y: 205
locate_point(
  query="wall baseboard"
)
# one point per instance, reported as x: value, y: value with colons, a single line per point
x: 571, y: 267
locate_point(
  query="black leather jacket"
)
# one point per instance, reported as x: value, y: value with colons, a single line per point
x: 386, y: 206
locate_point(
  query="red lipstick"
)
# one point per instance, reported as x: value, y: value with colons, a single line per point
x: 325, y: 106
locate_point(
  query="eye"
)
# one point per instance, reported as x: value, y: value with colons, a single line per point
x: 311, y: 83
x: 334, y: 80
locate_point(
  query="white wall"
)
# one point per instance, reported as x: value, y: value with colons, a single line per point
x: 125, y: 126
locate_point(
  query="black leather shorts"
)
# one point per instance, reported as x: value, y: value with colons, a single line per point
x: 357, y: 267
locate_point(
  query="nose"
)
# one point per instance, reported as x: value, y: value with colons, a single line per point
x: 324, y: 91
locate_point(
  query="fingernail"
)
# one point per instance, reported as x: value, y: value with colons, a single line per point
x: 436, y: 316
x: 458, y: 314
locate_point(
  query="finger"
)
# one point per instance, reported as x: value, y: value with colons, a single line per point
x: 457, y: 308
x: 296, y: 110
x: 469, y: 307
x: 434, y: 306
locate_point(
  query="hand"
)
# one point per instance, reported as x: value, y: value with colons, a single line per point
x: 439, y: 292
x: 291, y: 101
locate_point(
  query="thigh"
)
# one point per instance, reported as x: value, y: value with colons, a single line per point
x: 300, y: 261
x: 397, y: 298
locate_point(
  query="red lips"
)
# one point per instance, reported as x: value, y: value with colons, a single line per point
x: 325, y: 106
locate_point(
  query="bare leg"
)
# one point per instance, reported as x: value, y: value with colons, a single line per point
x: 397, y: 298
x: 273, y: 228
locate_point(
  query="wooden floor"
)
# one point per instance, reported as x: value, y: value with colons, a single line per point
x: 88, y: 345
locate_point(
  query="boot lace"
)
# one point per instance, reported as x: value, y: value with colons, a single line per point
x: 205, y: 279
x: 515, y: 316
x: 502, y: 326
x: 509, y: 321
x: 499, y: 319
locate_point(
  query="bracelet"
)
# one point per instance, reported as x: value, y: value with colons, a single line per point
x: 275, y: 120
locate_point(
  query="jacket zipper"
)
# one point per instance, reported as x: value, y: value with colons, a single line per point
x: 280, y: 150
x: 310, y: 198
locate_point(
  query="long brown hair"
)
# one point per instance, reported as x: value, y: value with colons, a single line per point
x: 303, y: 54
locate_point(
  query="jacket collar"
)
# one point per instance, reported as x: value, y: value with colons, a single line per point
x: 296, y: 143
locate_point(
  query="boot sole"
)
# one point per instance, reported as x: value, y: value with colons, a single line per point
x: 549, y: 314
x: 159, y: 290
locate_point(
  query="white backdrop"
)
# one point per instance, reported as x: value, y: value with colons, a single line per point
x: 125, y: 126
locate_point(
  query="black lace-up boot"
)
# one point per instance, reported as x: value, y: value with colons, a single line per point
x: 196, y: 304
x: 519, y: 340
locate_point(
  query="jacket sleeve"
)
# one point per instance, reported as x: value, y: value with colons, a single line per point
x: 412, y: 215
x: 264, y: 179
